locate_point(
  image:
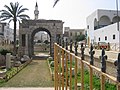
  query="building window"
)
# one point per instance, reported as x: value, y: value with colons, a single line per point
x: 114, y: 36
x: 99, y: 38
x: 105, y: 37
x: 71, y: 34
x: 23, y: 40
x: 80, y: 33
x: 75, y: 33
x: 87, y: 26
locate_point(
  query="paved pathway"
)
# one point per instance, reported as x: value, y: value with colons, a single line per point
x: 27, y: 88
x: 36, y: 74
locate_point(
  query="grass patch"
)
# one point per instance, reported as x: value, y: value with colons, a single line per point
x: 96, y: 80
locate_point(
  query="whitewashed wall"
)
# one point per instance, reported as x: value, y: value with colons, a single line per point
x: 107, y: 31
x: 104, y: 31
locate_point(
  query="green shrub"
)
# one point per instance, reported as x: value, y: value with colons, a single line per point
x: 4, y: 51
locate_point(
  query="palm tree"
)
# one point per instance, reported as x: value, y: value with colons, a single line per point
x: 13, y: 13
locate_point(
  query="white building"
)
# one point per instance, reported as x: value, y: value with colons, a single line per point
x: 102, y: 26
x: 6, y: 33
x: 42, y: 36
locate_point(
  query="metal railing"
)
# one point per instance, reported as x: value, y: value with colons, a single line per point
x: 63, y: 71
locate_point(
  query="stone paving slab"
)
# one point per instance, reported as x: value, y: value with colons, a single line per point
x: 27, y: 88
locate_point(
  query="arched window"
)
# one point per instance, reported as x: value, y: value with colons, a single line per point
x: 104, y: 21
x: 115, y: 19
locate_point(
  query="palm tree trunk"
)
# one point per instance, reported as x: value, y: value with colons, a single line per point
x: 15, y: 51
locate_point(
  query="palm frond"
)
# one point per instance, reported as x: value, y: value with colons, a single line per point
x: 13, y: 8
x: 2, y: 10
x: 9, y: 9
x: 12, y: 5
x: 19, y: 8
x: 55, y: 3
x: 23, y: 15
x: 16, y: 7
x: 6, y: 14
x: 22, y: 10
x: 7, y: 18
x: 10, y: 20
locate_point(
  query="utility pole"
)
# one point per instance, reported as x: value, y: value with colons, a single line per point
x: 118, y: 22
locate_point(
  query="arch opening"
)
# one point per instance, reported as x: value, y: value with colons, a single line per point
x: 104, y: 21
x: 41, y: 42
x: 115, y: 19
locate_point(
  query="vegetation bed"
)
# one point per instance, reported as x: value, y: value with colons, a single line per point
x: 13, y: 71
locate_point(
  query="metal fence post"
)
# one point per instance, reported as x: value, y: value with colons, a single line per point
x: 62, y: 42
x: 76, y: 46
x: 71, y: 45
x: 66, y: 44
x: 92, y: 63
x: 91, y: 55
x: 117, y: 63
x: 103, y: 69
x: 82, y: 51
x: 103, y: 61
x: 57, y: 40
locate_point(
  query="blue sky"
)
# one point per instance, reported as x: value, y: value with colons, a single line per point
x: 72, y: 12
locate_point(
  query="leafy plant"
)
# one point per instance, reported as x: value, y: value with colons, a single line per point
x: 4, y: 51
x: 80, y: 37
x: 46, y: 42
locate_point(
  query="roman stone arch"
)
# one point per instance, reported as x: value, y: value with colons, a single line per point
x: 28, y: 28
